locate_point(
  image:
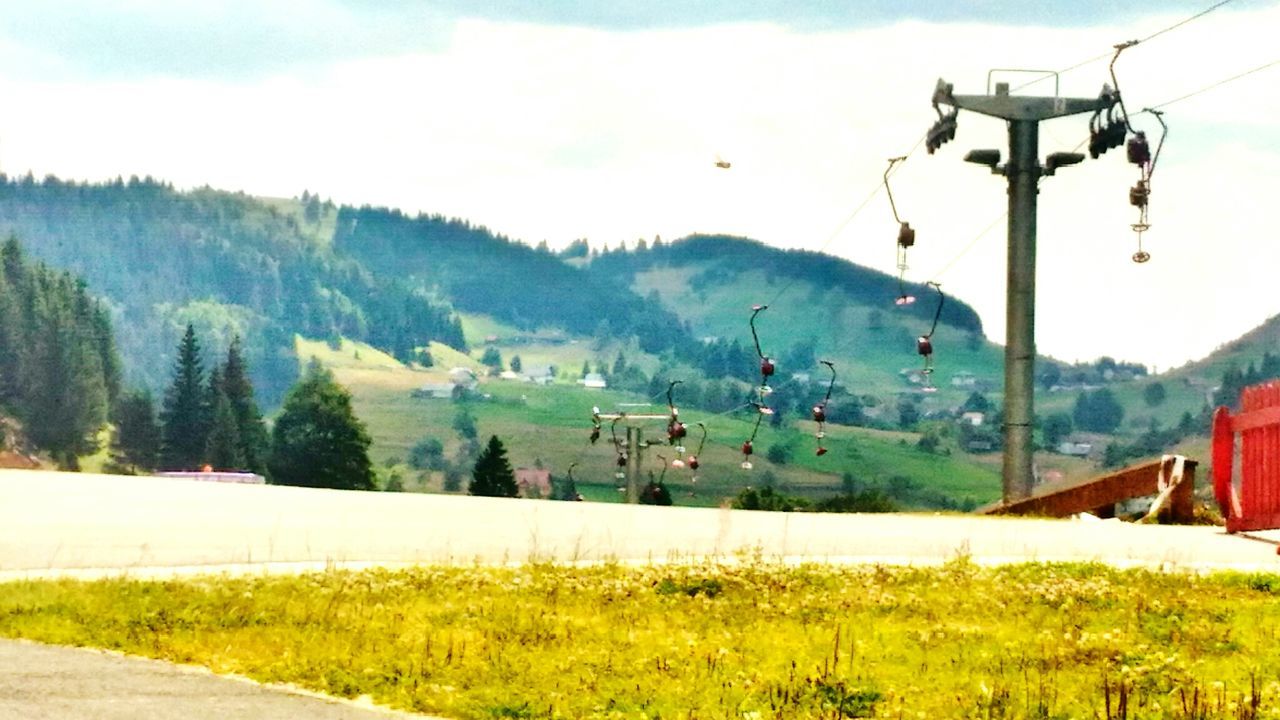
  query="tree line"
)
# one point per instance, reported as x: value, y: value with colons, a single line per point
x: 480, y: 271
x: 212, y: 420
x: 228, y: 263
x: 59, y: 371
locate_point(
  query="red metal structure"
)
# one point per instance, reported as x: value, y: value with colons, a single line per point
x: 1256, y: 506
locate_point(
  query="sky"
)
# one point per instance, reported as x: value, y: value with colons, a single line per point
x: 562, y: 119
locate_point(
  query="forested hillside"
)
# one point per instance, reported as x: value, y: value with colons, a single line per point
x: 59, y: 372
x: 732, y: 256
x: 485, y: 273
x: 265, y: 270
x: 228, y: 263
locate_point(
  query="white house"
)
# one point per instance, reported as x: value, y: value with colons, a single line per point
x: 594, y: 381
x: 540, y: 374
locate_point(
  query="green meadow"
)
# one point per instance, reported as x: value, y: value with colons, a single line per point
x: 551, y: 424
x: 742, y: 639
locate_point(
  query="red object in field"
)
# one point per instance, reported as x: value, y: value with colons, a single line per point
x: 1256, y: 506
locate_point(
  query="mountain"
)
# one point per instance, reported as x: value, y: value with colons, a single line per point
x: 228, y: 263
x: 480, y: 272
x: 721, y: 258
x: 819, y: 308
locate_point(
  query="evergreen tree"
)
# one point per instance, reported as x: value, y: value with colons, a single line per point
x: 464, y: 423
x: 56, y: 355
x: 251, y: 433
x: 1154, y: 394
x: 492, y: 476
x: 136, y: 445
x: 1056, y: 428
x: 65, y: 392
x: 1097, y: 411
x: 427, y: 454
x: 317, y: 441
x: 492, y: 358
x: 10, y: 345
x: 184, y: 419
x: 222, y: 448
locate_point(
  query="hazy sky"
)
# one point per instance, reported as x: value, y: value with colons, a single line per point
x: 559, y: 120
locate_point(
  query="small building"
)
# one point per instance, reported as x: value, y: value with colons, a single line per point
x: 973, y: 418
x: 533, y: 482
x: 540, y: 374
x: 800, y: 377
x: 510, y: 375
x: 964, y: 379
x: 1075, y: 449
x: 594, y: 381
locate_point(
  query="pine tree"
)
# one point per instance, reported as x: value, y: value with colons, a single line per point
x: 136, y: 444
x: 317, y: 441
x: 222, y: 448
x: 10, y: 345
x: 251, y: 433
x: 184, y: 419
x: 65, y: 396
x: 492, y: 476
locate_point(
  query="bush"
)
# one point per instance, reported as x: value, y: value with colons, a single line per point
x: 867, y: 501
x: 767, y: 498
x: 778, y: 454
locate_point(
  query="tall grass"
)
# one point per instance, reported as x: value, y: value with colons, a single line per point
x: 737, y: 640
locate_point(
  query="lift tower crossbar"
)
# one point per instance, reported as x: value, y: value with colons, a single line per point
x: 1023, y: 171
x: 635, y: 444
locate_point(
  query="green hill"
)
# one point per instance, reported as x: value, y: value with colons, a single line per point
x: 228, y: 263
x: 550, y: 425
x: 274, y: 269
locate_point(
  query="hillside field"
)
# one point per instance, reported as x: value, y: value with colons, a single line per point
x: 551, y: 424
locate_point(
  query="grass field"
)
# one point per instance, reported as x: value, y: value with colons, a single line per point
x: 550, y: 424
x: 738, y: 640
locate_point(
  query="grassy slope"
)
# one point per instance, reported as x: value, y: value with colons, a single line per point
x: 551, y: 424
x: 749, y: 640
x: 867, y: 360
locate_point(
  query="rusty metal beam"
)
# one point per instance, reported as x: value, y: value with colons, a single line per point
x: 1099, y: 496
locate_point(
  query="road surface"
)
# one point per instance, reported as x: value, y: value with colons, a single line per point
x: 39, y: 682
x: 54, y: 524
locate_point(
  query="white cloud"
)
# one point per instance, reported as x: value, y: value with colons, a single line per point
x: 559, y: 133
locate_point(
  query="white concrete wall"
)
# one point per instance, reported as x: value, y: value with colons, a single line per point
x: 57, y: 522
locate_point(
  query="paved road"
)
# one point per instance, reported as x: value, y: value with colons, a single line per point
x: 38, y: 682
x: 83, y: 524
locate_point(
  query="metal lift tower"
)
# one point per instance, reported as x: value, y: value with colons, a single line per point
x: 1023, y: 170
